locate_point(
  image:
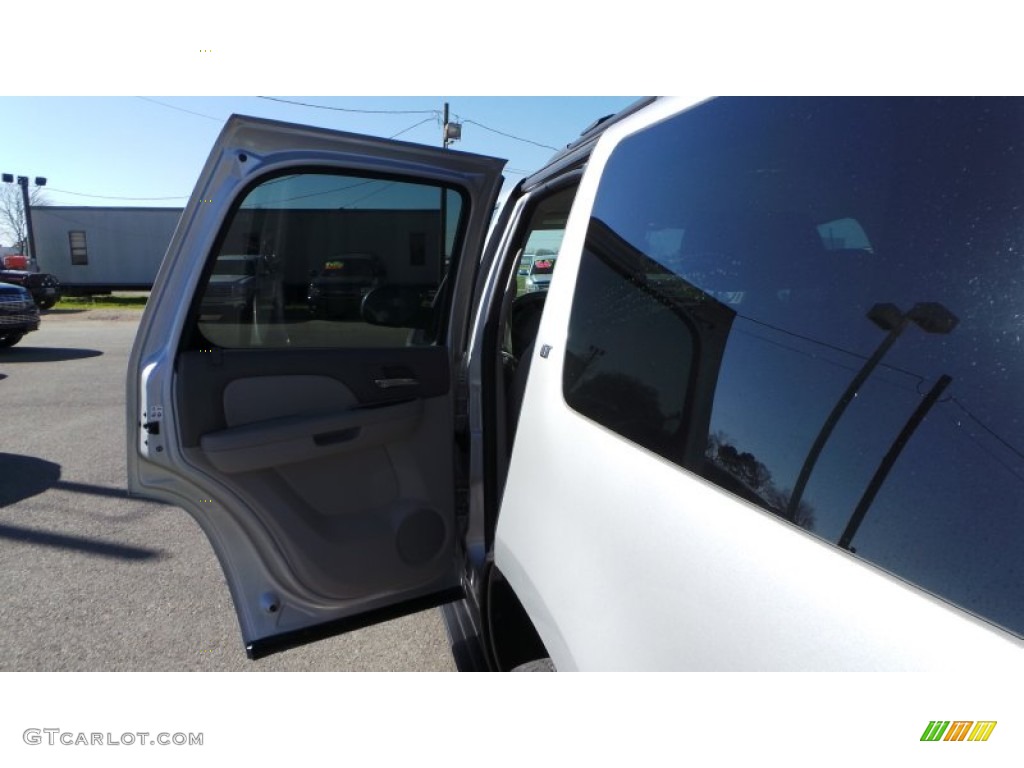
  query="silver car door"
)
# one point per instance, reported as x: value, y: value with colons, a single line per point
x: 314, y: 448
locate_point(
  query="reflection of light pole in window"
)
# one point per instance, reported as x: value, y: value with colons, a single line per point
x: 890, y: 459
x: 930, y: 317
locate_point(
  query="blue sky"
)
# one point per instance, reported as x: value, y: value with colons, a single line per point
x: 115, y: 145
x: 129, y: 150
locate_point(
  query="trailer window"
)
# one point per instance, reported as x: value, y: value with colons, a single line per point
x: 79, y: 251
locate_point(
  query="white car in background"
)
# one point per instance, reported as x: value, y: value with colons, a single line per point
x: 767, y: 418
x: 538, y: 278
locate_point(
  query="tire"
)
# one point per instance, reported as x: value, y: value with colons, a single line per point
x: 10, y: 339
x: 46, y: 303
x: 537, y: 665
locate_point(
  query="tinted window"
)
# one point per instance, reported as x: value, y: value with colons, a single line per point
x: 819, y: 305
x: 240, y: 267
x: 301, y: 252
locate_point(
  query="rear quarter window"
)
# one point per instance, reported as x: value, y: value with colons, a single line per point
x: 818, y: 304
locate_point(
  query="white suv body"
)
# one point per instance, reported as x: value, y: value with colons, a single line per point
x: 666, y: 460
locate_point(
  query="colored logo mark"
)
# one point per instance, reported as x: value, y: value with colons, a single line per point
x: 958, y: 730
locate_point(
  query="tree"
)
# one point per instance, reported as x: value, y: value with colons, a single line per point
x: 12, y: 212
x: 755, y: 477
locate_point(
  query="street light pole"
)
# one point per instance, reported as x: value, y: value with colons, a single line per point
x: 27, y: 205
x: 23, y: 183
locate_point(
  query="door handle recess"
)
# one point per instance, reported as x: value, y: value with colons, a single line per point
x: 399, y: 382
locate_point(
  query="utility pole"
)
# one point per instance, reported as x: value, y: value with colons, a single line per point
x: 449, y: 131
x: 23, y: 183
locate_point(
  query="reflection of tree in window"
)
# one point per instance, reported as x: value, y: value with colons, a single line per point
x: 751, y: 479
x: 644, y: 349
x: 624, y: 404
x: 903, y: 203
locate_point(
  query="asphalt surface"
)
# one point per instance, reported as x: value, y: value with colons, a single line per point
x: 93, y: 580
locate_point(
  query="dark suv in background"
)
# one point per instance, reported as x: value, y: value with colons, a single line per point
x: 45, y: 288
x: 232, y: 287
x: 338, y: 289
x: 18, y: 314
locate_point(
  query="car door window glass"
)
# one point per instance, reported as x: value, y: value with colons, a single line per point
x: 540, y: 239
x: 330, y: 260
x: 542, y: 242
x: 825, y: 297
x: 537, y: 243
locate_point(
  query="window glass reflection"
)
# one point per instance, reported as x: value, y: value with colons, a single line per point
x: 860, y: 372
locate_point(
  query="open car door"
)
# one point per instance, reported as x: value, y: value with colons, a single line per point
x: 298, y: 401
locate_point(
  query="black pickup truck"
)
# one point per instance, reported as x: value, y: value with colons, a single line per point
x: 45, y: 288
x: 18, y: 314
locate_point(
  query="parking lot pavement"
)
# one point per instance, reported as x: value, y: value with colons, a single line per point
x: 93, y: 580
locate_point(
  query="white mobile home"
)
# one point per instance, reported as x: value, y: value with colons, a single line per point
x: 97, y: 250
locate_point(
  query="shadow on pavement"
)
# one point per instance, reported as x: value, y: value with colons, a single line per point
x: 24, y: 354
x: 79, y: 543
x: 102, y: 490
x: 25, y: 476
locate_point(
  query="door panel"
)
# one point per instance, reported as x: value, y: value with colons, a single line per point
x: 343, y: 474
x: 257, y: 398
x: 293, y: 439
x: 313, y: 441
x: 235, y: 387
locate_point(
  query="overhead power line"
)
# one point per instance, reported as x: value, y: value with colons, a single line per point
x: 359, y: 111
x: 509, y: 135
x: 433, y: 112
x: 417, y: 125
x: 181, y: 109
x: 114, y: 197
x: 433, y: 115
